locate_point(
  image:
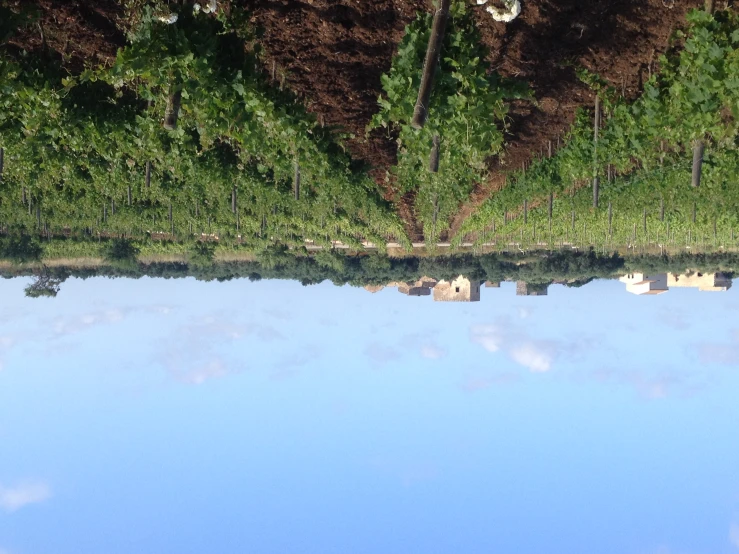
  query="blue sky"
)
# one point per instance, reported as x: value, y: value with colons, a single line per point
x: 158, y: 416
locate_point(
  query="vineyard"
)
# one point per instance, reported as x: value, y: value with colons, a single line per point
x: 628, y: 183
x: 236, y: 160
x: 190, y: 137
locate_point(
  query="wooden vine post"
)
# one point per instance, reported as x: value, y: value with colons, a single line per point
x: 596, y: 178
x: 433, y: 51
x: 148, y: 174
x: 434, y: 157
x: 172, y: 112
x: 2, y: 162
x: 698, y: 145
x: 698, y: 149
x: 296, y: 181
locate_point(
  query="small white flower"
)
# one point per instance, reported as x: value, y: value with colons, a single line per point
x: 196, y: 7
x: 506, y: 15
x: 211, y: 7
x: 481, y: 2
x: 169, y: 19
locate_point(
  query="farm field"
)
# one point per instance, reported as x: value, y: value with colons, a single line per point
x: 209, y: 133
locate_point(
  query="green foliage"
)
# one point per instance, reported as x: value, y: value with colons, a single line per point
x: 120, y: 250
x: 467, y: 110
x: 75, y: 147
x: 20, y: 248
x: 202, y: 253
x: 45, y: 285
x: 648, y: 146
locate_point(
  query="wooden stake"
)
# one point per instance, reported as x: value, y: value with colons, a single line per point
x: 610, y: 219
x: 296, y: 181
x: 698, y: 148
x: 434, y: 157
x: 596, y: 127
x: 148, y: 174
x: 433, y: 50
x: 129, y: 195
x: 525, y: 211
x: 172, y: 112
x: 645, y: 220
x: 2, y: 163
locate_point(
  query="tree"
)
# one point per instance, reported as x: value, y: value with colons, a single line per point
x: 44, y: 284
x: 20, y: 248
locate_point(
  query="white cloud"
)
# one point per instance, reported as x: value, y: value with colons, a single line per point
x: 77, y: 324
x: 432, y: 352
x: 734, y: 534
x: 524, y: 312
x: 23, y: 494
x: 490, y: 337
x: 534, y: 356
x: 199, y: 375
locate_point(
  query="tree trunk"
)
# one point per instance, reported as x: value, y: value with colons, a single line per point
x: 433, y: 51
x: 434, y: 157
x: 710, y: 6
x: 698, y: 148
x: 233, y: 200
x: 172, y: 112
x: 525, y: 211
x: 129, y: 195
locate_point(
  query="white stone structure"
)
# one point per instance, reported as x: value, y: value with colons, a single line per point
x: 460, y: 289
x: 638, y: 283
x: 709, y: 282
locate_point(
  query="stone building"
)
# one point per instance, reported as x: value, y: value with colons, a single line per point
x: 492, y: 284
x: 709, y: 282
x: 638, y: 283
x: 460, y: 289
x: 528, y: 289
x: 373, y: 288
x: 422, y: 287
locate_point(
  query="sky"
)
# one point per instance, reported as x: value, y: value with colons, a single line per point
x: 266, y: 417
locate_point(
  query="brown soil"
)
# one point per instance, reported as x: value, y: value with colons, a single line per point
x: 81, y: 32
x: 332, y: 53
